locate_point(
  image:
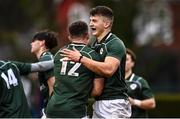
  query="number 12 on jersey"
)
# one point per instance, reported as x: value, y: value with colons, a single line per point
x: 72, y: 71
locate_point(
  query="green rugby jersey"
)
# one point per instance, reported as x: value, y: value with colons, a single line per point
x: 13, y: 102
x: 43, y: 77
x: 72, y: 86
x: 115, y: 87
x: 138, y: 88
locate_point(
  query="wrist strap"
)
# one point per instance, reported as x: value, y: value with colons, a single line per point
x: 80, y: 58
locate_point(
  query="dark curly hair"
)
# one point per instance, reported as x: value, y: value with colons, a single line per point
x: 103, y: 11
x: 50, y: 37
x: 78, y: 29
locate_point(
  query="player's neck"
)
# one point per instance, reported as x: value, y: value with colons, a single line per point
x: 40, y: 52
x: 79, y: 41
x: 103, y: 34
x: 128, y: 73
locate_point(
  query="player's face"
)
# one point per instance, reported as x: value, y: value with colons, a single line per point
x: 35, y: 46
x: 97, y: 25
x: 129, y: 63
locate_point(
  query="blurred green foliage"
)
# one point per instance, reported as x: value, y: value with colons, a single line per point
x: 18, y: 17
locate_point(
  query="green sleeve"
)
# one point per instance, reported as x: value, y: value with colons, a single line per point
x: 116, y: 48
x: 24, y: 68
x: 146, y: 90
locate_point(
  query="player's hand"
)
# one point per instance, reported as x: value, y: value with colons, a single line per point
x: 72, y: 55
x: 131, y: 100
x: 135, y: 102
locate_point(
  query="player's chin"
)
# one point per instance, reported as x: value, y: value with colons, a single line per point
x: 94, y: 33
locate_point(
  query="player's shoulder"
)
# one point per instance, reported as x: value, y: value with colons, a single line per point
x: 58, y: 53
x: 46, y: 56
x: 139, y: 79
x: 114, y: 41
x: 5, y: 63
x: 90, y: 53
x: 87, y: 49
x: 112, y: 37
x: 2, y: 63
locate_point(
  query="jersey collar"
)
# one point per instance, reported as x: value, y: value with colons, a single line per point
x: 77, y: 44
x: 105, y: 37
x: 130, y: 78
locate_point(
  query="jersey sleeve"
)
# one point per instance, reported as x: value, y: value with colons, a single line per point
x: 116, y: 49
x: 24, y: 68
x: 42, y: 66
x: 95, y: 56
x: 146, y: 90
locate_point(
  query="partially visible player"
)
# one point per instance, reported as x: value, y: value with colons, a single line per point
x: 74, y: 82
x: 13, y: 102
x: 141, y: 95
x: 41, y: 45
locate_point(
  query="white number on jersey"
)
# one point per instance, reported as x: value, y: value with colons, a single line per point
x: 72, y: 71
x: 10, y: 79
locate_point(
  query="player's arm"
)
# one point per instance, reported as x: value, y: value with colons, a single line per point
x: 50, y: 82
x: 105, y: 69
x: 26, y: 68
x: 98, y: 85
x: 42, y: 66
x: 148, y: 101
x: 144, y: 104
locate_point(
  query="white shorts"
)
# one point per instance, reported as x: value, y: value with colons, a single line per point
x: 118, y: 108
x: 86, y: 117
x: 43, y: 114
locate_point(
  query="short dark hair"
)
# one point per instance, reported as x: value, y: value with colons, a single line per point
x: 103, y: 11
x: 50, y: 37
x: 78, y: 29
x: 130, y: 52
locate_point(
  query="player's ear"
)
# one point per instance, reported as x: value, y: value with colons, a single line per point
x: 133, y: 63
x: 70, y: 38
x: 107, y: 23
x: 87, y: 35
x: 42, y: 42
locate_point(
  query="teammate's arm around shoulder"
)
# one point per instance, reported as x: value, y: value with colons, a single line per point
x: 106, y: 68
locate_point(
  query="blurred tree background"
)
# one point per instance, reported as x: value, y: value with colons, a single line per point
x: 158, y: 62
x: 19, y: 20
